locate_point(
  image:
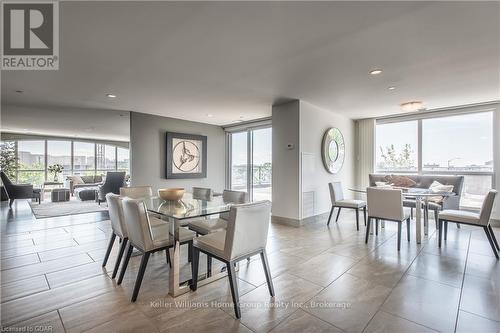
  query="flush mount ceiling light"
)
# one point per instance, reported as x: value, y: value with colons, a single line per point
x: 391, y: 88
x: 376, y: 71
x: 111, y: 95
x: 412, y: 106
x: 209, y: 115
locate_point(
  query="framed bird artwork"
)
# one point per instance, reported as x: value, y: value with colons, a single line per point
x: 186, y: 156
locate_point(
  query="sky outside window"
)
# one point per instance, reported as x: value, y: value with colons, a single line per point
x: 464, y: 141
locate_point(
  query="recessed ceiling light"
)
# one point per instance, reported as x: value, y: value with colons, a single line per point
x: 111, y: 95
x: 209, y: 115
x: 412, y: 106
x: 392, y: 88
x: 375, y: 71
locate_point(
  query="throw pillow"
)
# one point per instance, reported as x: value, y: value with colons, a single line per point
x: 437, y: 187
x: 76, y: 180
x: 402, y: 181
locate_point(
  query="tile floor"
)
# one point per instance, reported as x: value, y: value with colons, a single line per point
x: 326, y: 280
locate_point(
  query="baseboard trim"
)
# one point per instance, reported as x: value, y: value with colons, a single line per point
x: 285, y: 221
x: 296, y: 222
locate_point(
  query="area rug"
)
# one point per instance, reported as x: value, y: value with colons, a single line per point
x: 74, y: 206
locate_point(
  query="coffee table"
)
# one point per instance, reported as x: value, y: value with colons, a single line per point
x: 47, y: 187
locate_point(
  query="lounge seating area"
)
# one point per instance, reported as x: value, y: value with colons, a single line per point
x: 250, y: 167
x: 76, y: 182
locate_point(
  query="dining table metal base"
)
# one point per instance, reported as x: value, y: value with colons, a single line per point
x: 418, y: 218
x: 176, y: 287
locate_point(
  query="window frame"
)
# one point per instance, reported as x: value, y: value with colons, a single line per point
x: 419, y: 117
x: 418, y: 149
x: 248, y: 129
x: 95, y: 170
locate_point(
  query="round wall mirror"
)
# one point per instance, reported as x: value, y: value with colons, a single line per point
x: 333, y: 150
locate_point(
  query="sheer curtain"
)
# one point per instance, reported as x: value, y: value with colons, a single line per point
x: 365, y: 151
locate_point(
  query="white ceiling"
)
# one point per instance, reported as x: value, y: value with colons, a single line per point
x: 66, y: 122
x: 235, y: 59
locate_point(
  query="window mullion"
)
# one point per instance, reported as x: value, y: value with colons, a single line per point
x: 419, y: 147
x: 17, y: 161
x: 250, y: 164
x: 46, y: 159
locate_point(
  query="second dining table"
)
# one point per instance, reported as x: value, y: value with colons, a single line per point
x: 421, y: 197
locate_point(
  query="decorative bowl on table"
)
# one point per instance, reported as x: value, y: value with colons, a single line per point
x: 171, y: 194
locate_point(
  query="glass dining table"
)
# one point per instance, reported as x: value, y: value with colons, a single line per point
x: 177, y: 213
x: 421, y: 197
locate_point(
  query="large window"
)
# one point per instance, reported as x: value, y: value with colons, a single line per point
x: 106, y: 157
x: 59, y: 152
x: 397, y: 146
x: 239, y: 161
x: 77, y: 158
x: 460, y: 144
x: 251, y: 162
x: 122, y: 159
x: 83, y: 158
x: 31, y: 162
x: 262, y: 162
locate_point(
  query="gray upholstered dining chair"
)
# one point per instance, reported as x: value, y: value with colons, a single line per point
x: 338, y: 200
x: 136, y: 192
x: 387, y: 205
x: 481, y: 219
x: 146, y: 239
x: 141, y: 192
x: 202, y: 193
x: 207, y: 226
x: 246, y: 235
x: 118, y: 228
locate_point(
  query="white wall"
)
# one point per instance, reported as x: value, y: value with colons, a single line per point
x: 148, y: 150
x: 298, y: 172
x: 286, y: 172
x: 313, y: 124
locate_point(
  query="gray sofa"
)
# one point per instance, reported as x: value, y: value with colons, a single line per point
x: 88, y: 181
x: 423, y: 182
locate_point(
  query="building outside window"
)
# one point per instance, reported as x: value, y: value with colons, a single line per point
x: 31, y: 162
x: 77, y: 158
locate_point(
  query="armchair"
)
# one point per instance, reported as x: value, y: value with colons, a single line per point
x: 19, y: 191
x: 114, y: 180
